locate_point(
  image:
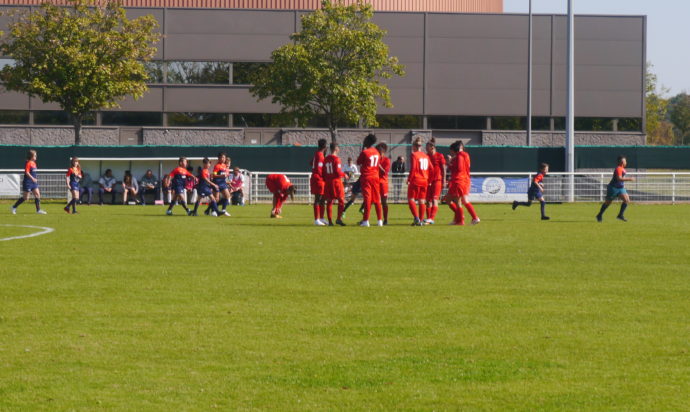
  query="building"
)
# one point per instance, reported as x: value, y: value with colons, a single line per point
x: 466, y: 78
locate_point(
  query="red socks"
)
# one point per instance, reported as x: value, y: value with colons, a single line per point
x: 422, y: 209
x: 367, y: 210
x: 432, y: 212
x: 329, y: 210
x: 470, y: 209
x: 413, y: 208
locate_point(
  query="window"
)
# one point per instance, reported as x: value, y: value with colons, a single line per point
x: 132, y: 119
x: 399, y: 122
x: 14, y: 117
x: 541, y: 123
x: 594, y: 124
x: 456, y: 122
x: 241, y: 72
x: 508, y: 123
x: 261, y: 120
x: 155, y: 70
x: 198, y: 119
x: 60, y: 118
x: 630, y: 124
x: 559, y: 123
x: 198, y: 72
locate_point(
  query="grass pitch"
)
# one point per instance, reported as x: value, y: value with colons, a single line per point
x: 123, y: 308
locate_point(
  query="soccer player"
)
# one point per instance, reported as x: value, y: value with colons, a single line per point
x: 281, y: 188
x: 30, y: 184
x: 418, y: 181
x: 220, y: 175
x: 437, y: 181
x: 72, y: 179
x: 317, y: 184
x: 536, y: 191
x: 178, y: 179
x: 460, y: 184
x: 355, y: 191
x: 368, y: 162
x: 205, y: 189
x: 616, y: 189
x: 384, y: 169
x: 333, y: 176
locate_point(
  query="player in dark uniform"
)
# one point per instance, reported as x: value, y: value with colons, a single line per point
x: 205, y: 189
x: 536, y: 191
x: 178, y: 179
x: 616, y: 189
x: 72, y: 179
x: 30, y: 184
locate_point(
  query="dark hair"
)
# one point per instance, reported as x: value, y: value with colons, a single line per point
x: 621, y: 157
x: 382, y: 147
x: 431, y: 143
x: 455, y: 146
x: 370, y: 140
x: 206, y: 160
x: 291, y: 191
x: 333, y: 147
x: 107, y: 171
x: 322, y: 144
x: 181, y: 159
x: 30, y: 154
x: 220, y: 154
x: 543, y: 166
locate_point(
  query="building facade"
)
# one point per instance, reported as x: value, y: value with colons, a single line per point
x: 466, y: 77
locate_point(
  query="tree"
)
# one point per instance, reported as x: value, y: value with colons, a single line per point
x: 679, y: 114
x: 333, y: 68
x: 83, y: 57
x: 659, y: 130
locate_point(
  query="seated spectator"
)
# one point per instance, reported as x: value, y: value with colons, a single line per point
x: 106, y: 184
x: 147, y: 185
x: 86, y: 188
x: 130, y: 186
x: 237, y: 187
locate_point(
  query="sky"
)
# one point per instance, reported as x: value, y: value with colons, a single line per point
x: 668, y: 31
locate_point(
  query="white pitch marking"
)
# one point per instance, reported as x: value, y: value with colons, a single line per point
x: 44, y: 231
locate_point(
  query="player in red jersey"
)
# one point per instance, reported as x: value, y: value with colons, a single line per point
x: 281, y: 188
x: 205, y: 188
x: 178, y: 179
x: 333, y: 175
x: 437, y: 181
x: 616, y: 189
x: 370, y: 181
x: 317, y: 183
x: 30, y: 184
x: 72, y: 179
x: 460, y: 184
x: 418, y: 181
x: 384, y: 169
x: 221, y: 171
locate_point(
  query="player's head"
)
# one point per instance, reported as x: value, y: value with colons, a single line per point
x: 370, y: 140
x: 207, y: 162
x: 456, y: 146
x: 31, y: 155
x: 334, y: 148
x: 382, y: 148
x: 622, y: 161
x: 431, y: 146
x: 417, y: 144
x: 236, y: 170
x: 74, y: 162
x: 221, y: 157
x: 228, y: 160
x: 322, y: 143
x: 108, y: 172
x: 544, y: 167
x: 291, y: 192
x: 182, y: 161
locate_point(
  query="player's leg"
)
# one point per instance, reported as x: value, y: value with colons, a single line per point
x: 226, y: 200
x: 466, y: 202
x: 366, y: 195
x: 542, y: 205
x: 341, y: 211
x: 37, y: 201
x: 603, y: 208
x: 75, y: 199
x: 329, y: 211
x: 624, y: 205
x: 23, y: 198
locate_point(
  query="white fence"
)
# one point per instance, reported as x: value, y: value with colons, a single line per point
x: 667, y: 187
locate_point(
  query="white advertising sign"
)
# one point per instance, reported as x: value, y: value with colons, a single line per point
x: 10, y: 184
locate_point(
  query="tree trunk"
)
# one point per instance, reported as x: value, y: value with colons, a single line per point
x: 334, y: 135
x: 77, y: 129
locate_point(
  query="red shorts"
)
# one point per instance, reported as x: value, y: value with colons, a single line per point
x: 317, y: 185
x: 458, y: 189
x: 335, y: 190
x: 434, y: 191
x: 383, y: 188
x: 417, y: 192
x: 370, y: 190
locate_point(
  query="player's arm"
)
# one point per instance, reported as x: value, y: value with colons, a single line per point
x: 443, y: 168
x: 540, y: 186
x: 27, y: 172
x: 69, y: 172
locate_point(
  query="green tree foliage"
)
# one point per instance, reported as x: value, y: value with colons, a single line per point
x: 333, y: 68
x: 679, y: 114
x: 83, y: 57
x: 659, y: 130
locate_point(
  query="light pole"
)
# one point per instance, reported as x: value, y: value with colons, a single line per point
x: 529, y: 78
x: 570, y: 119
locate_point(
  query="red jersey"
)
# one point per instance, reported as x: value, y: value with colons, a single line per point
x: 384, y: 168
x: 460, y: 168
x: 420, y: 169
x: 220, y: 172
x: 30, y: 168
x: 332, y: 168
x: 437, y: 161
x: 368, y: 162
x: 317, y: 165
x: 277, y: 183
x: 618, y: 174
x: 71, y: 172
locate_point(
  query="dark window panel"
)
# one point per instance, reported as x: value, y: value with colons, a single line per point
x: 132, y: 119
x: 14, y: 117
x: 198, y: 72
x: 508, y: 123
x: 399, y: 121
x: 456, y: 122
x: 198, y: 119
x: 630, y: 124
x: 541, y: 123
x: 559, y: 123
x: 593, y: 124
x: 60, y: 118
x: 242, y: 71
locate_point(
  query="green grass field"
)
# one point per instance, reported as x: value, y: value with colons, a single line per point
x: 123, y: 308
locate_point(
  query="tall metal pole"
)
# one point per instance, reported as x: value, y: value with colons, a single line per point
x: 529, y: 78
x: 570, y: 119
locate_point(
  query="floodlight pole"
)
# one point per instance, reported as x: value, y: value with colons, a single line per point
x: 529, y: 78
x: 570, y: 119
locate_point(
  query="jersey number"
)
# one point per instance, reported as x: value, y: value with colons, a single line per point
x: 373, y: 160
x: 329, y: 168
x: 423, y: 164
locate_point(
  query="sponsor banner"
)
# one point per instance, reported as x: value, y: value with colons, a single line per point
x: 499, y: 189
x: 10, y: 184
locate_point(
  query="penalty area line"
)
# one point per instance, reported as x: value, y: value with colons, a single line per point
x: 43, y: 231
